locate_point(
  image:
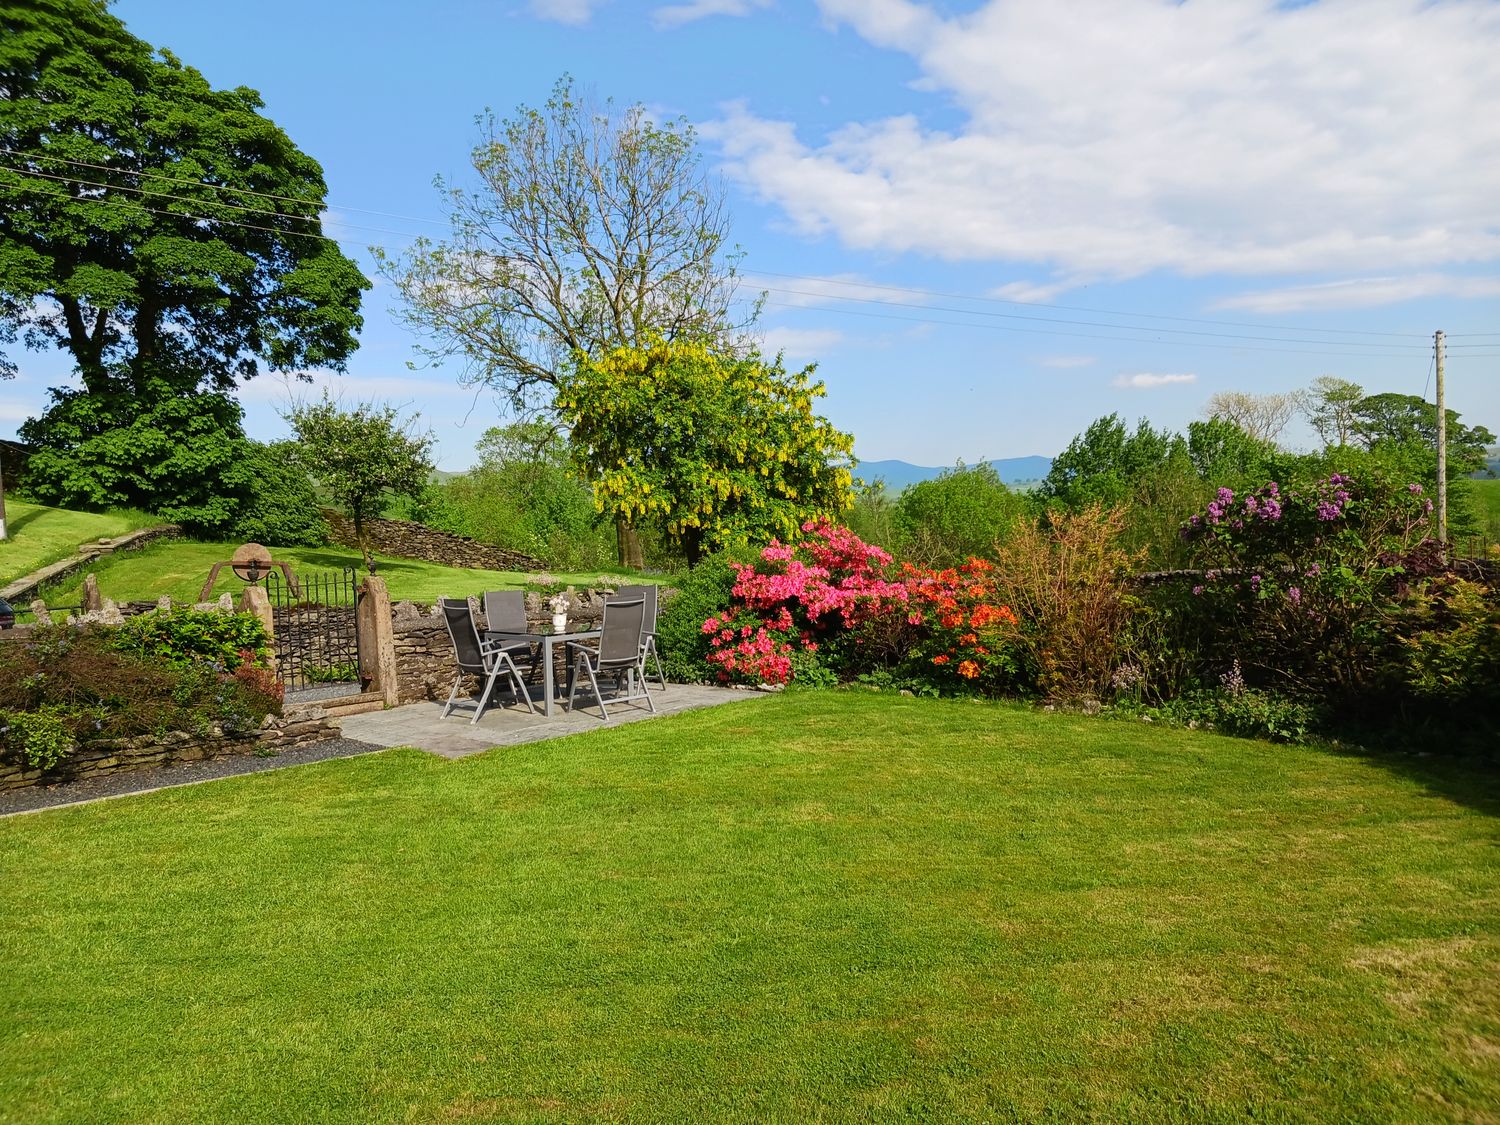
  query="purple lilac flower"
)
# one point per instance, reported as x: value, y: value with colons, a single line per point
x: 1251, y: 504
x: 1327, y: 511
x: 1272, y: 510
x: 1255, y: 581
x: 1272, y: 489
x: 1414, y: 489
x: 1294, y: 594
x: 1314, y: 570
x: 1197, y: 590
x: 1226, y: 496
x: 1427, y: 506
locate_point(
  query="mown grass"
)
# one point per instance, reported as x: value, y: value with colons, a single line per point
x: 179, y: 568
x: 815, y: 906
x: 38, y: 535
x: 1487, y: 506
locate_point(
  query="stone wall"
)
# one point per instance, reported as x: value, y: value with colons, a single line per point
x: 416, y: 541
x: 424, y: 655
x: 23, y: 589
x: 298, y: 725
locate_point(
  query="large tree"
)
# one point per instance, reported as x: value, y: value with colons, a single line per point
x: 1263, y: 417
x: 592, y: 228
x: 1330, y: 405
x: 162, y: 232
x: 721, y: 449
x: 1393, y: 420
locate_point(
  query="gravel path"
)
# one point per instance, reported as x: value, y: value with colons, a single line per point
x: 184, y: 773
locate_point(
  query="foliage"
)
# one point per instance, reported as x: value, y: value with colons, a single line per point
x: 718, y: 450
x: 179, y: 455
x: 524, y: 495
x: 98, y: 684
x: 1065, y: 581
x: 40, y: 738
x: 1241, y: 711
x: 962, y: 513
x: 180, y: 637
x: 281, y: 507
x: 1105, y: 463
x: 1296, y: 578
x: 1445, y: 644
x: 1330, y: 405
x: 167, y: 286
x: 1406, y: 420
x: 704, y: 591
x: 360, y: 457
x: 872, y: 515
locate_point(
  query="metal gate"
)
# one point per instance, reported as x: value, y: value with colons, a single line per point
x: 317, y: 627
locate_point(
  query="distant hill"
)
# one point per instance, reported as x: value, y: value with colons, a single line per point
x: 898, y: 475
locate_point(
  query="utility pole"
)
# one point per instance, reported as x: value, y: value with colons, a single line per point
x: 2, y: 495
x: 1442, y: 440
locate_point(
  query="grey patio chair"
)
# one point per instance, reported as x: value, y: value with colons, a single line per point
x: 618, y: 655
x: 505, y: 612
x: 648, y: 629
x: 477, y: 658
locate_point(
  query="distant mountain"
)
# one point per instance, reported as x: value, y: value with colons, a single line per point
x: 898, y: 475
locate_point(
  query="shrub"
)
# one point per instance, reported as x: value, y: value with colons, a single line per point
x: 187, y: 636
x: 960, y: 514
x: 281, y: 507
x: 1066, y: 582
x: 704, y: 591
x: 962, y: 636
x: 39, y: 737
x: 1445, y: 643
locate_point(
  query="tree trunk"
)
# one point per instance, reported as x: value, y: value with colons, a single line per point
x: 362, y: 539
x: 628, y: 546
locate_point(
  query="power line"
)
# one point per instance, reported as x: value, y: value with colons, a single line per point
x: 202, y: 184
x: 1094, y: 335
x: 1095, y: 324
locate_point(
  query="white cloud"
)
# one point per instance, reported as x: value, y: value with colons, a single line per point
x: 675, y: 15
x: 1064, y: 361
x: 1145, y: 380
x: 830, y: 291
x: 1031, y: 292
x: 802, y: 344
x: 409, y: 390
x: 1109, y: 138
x: 1362, y: 292
x: 575, y: 13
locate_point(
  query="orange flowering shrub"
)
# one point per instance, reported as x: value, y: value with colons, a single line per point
x: 961, y: 633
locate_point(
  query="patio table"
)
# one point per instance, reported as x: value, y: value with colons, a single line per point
x: 548, y: 640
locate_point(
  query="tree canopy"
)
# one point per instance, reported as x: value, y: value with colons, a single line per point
x: 594, y: 228
x: 1406, y: 420
x: 361, y: 457
x: 721, y: 450
x: 162, y: 232
x: 1104, y: 463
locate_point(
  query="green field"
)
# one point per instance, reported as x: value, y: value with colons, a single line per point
x: 179, y: 569
x: 37, y: 535
x: 813, y: 906
x: 1487, y: 501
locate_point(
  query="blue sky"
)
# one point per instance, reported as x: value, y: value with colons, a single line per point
x: 927, y: 192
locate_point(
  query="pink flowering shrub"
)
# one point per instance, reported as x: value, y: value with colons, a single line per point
x: 795, y: 598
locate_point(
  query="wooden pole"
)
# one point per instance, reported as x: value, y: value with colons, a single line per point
x: 2, y: 495
x: 1442, y: 441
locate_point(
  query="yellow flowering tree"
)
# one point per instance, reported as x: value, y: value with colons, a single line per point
x: 718, y: 450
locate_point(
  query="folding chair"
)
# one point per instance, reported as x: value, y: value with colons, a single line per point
x: 619, y: 654
x: 648, y: 628
x: 476, y: 658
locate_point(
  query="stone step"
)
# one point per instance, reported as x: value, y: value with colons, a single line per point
x: 352, y: 704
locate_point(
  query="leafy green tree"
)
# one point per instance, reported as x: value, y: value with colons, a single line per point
x: 1104, y: 463
x: 163, y: 232
x: 595, y: 228
x: 1224, y: 454
x: 361, y: 457
x: 281, y: 505
x: 963, y: 512
x: 1405, y: 420
x: 718, y: 450
x: 178, y: 455
x: 1330, y: 405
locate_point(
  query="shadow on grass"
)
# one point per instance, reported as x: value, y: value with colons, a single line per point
x: 1462, y: 767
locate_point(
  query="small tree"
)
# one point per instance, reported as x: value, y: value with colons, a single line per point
x: 722, y: 451
x: 361, y: 457
x: 1330, y: 406
x: 964, y: 512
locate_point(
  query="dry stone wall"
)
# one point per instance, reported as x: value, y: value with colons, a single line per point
x: 416, y: 541
x: 298, y: 725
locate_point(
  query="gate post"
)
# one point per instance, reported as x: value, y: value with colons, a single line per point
x: 377, y: 640
x: 255, y: 600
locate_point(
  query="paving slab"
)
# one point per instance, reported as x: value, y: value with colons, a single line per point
x: 420, y: 725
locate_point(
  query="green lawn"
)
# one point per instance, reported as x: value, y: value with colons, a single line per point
x: 1487, y: 501
x: 37, y: 535
x: 809, y: 906
x: 178, y: 569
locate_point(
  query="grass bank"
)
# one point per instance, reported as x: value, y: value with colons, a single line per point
x: 179, y: 568
x: 38, y: 535
x: 833, y: 905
